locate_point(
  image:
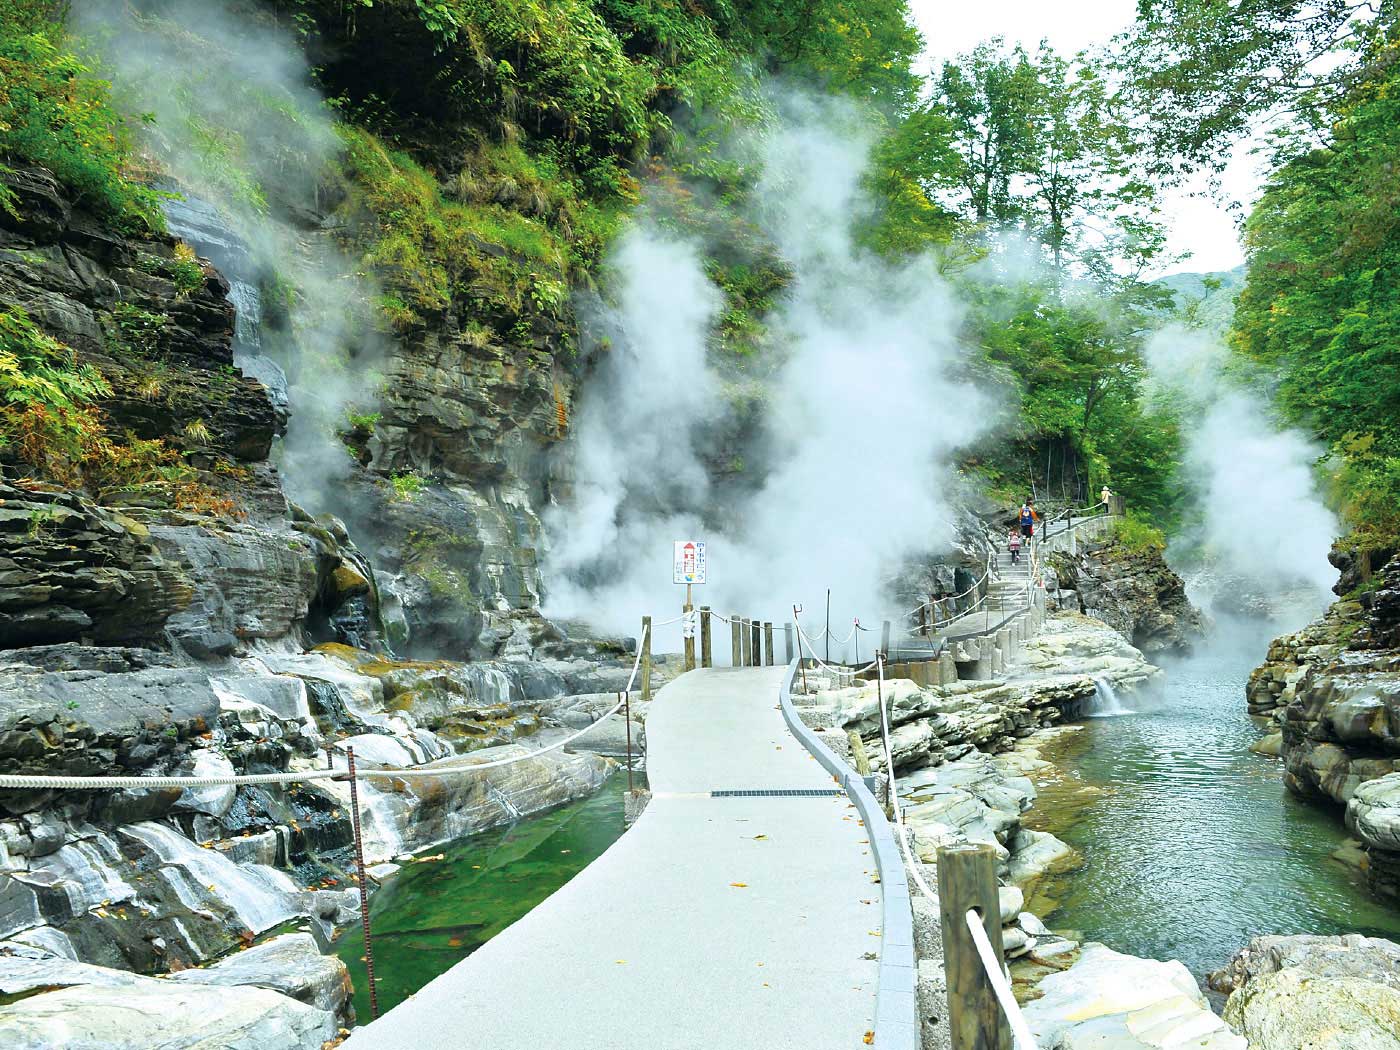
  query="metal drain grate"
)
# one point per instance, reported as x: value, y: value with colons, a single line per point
x: 780, y: 793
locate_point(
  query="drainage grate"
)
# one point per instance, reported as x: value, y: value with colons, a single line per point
x: 780, y: 793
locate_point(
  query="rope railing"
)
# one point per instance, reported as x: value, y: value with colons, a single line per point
x: 993, y: 968
x: 39, y: 782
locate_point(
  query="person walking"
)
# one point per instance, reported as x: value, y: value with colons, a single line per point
x: 1028, y: 518
x: 1014, y: 545
x: 1105, y: 496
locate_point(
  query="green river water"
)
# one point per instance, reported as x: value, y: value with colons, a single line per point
x: 432, y: 915
x: 1192, y: 845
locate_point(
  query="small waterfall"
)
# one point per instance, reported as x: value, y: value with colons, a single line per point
x: 1106, y: 703
x: 86, y: 870
x: 261, y: 897
x: 379, y: 824
x: 497, y: 796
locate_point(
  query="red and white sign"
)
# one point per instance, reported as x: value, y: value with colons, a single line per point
x: 689, y: 561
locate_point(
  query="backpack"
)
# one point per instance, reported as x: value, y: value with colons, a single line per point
x: 1027, y: 515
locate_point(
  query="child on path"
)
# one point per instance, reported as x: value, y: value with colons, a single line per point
x: 1015, y: 544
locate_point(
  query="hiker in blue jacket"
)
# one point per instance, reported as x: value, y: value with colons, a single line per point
x: 1028, y: 518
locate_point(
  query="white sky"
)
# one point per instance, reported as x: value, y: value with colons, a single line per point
x: 1196, y: 223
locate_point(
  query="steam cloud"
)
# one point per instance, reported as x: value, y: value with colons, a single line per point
x: 1262, y: 517
x: 235, y: 120
x: 862, y: 415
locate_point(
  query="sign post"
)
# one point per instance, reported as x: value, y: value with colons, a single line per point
x: 689, y: 567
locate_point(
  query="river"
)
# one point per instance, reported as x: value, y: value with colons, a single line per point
x: 434, y: 913
x: 1191, y: 844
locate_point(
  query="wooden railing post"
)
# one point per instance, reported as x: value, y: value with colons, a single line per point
x: 755, y: 628
x: 646, y: 657
x: 967, y: 881
x: 768, y: 642
x: 736, y: 652
x: 747, y: 641
x: 688, y: 641
x: 706, y: 655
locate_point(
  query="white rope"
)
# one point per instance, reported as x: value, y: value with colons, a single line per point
x: 997, y: 976
x: 14, y: 781
x: 833, y: 668
x: 1024, y: 1039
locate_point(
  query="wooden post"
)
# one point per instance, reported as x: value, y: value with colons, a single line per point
x: 736, y: 653
x: 748, y: 641
x: 646, y: 657
x: 967, y: 881
x: 923, y: 619
x: 787, y: 643
x: 755, y: 628
x: 706, y: 654
x: 768, y: 642
x: 688, y: 642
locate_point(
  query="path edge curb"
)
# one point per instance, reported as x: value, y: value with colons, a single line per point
x: 896, y: 997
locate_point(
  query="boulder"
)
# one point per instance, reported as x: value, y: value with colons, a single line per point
x: 1111, y: 1001
x: 1293, y: 1008
x: 1350, y: 955
x: 290, y: 964
x: 165, y: 1014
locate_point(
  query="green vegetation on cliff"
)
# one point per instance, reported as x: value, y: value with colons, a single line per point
x: 55, y: 113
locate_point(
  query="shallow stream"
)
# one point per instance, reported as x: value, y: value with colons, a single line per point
x: 434, y: 913
x: 1191, y: 844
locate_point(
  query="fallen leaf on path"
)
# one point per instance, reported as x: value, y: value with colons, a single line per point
x: 868, y: 1039
x: 739, y: 885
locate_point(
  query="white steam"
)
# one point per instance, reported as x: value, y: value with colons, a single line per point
x: 233, y: 117
x: 1262, y: 517
x: 861, y: 417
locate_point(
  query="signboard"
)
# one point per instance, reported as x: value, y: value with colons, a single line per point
x: 689, y: 562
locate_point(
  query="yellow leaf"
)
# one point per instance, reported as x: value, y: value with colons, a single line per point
x: 739, y: 885
x: 869, y: 1038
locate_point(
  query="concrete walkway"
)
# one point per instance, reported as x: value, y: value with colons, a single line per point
x: 713, y: 924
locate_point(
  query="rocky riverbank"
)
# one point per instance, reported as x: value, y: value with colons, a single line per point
x: 962, y: 754
x: 1331, y: 696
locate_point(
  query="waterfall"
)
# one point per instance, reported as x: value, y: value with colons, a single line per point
x: 261, y: 897
x: 86, y: 871
x: 498, y: 797
x: 1105, y: 703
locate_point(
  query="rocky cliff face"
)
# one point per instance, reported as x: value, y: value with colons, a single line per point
x: 1135, y: 592
x: 147, y: 633
x: 1333, y: 691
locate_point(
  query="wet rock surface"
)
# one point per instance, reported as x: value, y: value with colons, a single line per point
x: 1325, y: 992
x: 1332, y: 692
x: 1133, y: 591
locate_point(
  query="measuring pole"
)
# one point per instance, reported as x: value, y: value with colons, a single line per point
x: 828, y: 625
x: 364, y: 886
x: 801, y: 660
x: 688, y: 630
x: 706, y: 655
x: 646, y: 657
x: 627, y: 718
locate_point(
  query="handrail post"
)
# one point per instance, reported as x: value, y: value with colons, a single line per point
x: 646, y: 658
x: 688, y: 632
x: 967, y: 881
x: 706, y: 655
x: 787, y: 643
x: 736, y: 650
x: 756, y: 629
x: 747, y: 639
x: 768, y: 642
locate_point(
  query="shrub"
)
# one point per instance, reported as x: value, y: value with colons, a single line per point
x: 1139, y: 536
x: 56, y: 114
x: 407, y: 486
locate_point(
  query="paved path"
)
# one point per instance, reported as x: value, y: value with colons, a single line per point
x: 653, y: 946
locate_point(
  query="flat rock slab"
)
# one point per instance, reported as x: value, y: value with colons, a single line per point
x: 714, y: 922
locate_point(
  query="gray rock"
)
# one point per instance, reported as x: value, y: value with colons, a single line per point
x: 1352, y: 955
x: 290, y: 964
x: 163, y: 1014
x: 1293, y: 1008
